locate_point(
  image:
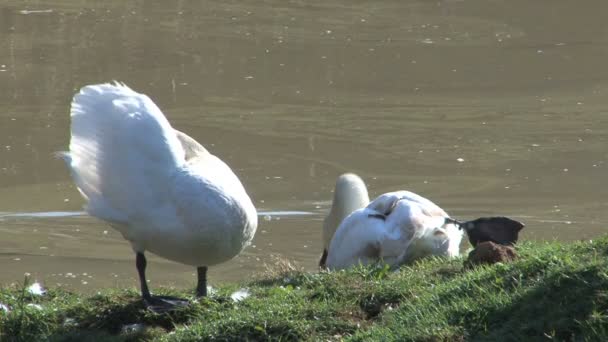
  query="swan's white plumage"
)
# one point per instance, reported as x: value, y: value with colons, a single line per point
x: 161, y: 189
x: 414, y: 227
x: 350, y: 194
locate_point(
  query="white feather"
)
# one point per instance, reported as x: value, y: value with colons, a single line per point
x: 161, y: 189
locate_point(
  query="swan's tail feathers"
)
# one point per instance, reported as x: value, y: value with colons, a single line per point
x: 121, y: 148
x: 67, y: 158
x: 64, y: 155
x: 98, y: 207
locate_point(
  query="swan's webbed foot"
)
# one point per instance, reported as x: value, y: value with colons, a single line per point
x: 162, y: 304
x: 157, y: 304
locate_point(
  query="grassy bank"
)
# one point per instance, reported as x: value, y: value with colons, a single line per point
x: 553, y: 291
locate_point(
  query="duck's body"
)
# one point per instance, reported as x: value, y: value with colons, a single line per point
x: 161, y: 189
x: 350, y: 194
x: 396, y: 227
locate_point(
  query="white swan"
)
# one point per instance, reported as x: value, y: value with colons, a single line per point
x: 396, y: 227
x: 350, y: 194
x: 157, y: 186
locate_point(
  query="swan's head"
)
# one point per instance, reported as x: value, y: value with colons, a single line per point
x: 501, y: 230
x: 350, y: 194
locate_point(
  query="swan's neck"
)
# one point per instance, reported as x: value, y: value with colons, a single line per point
x: 345, y: 203
x: 350, y: 194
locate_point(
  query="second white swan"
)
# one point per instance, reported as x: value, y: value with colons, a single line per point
x: 396, y: 227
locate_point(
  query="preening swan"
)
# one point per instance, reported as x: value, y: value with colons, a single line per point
x: 163, y: 191
x: 398, y: 227
x: 350, y: 194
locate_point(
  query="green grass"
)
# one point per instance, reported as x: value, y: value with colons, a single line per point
x: 553, y: 291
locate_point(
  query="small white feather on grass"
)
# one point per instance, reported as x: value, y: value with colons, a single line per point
x: 36, y: 289
x: 240, y: 295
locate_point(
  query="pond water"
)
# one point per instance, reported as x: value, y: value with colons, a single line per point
x: 485, y: 107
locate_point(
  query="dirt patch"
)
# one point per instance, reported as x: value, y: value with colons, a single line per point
x: 490, y: 253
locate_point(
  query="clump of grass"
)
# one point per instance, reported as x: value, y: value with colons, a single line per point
x: 278, y: 268
x: 553, y: 290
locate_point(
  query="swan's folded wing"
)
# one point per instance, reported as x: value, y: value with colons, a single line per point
x: 385, y: 203
x: 357, y: 240
x: 403, y: 227
x: 428, y: 207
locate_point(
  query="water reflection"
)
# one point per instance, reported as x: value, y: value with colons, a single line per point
x: 484, y: 107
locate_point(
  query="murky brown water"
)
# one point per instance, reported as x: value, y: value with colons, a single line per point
x: 293, y: 93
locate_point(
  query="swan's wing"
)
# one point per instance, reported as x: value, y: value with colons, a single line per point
x: 357, y: 240
x: 405, y: 225
x: 208, y: 195
x: 122, y: 151
x: 209, y: 201
x: 428, y: 231
x: 385, y: 203
x: 428, y: 207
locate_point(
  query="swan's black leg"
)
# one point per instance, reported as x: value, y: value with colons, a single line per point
x: 141, y: 263
x: 201, y: 286
x: 158, y: 304
x: 323, y: 259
